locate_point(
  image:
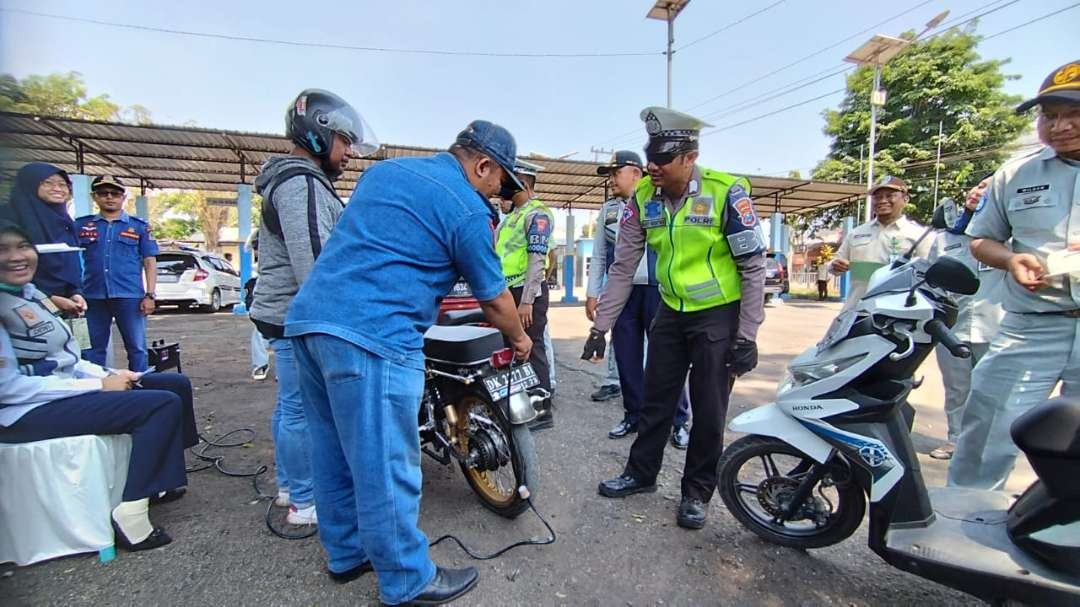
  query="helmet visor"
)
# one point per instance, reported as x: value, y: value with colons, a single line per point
x: 352, y: 126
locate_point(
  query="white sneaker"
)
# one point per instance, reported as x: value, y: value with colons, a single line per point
x: 303, y: 516
x: 259, y: 373
x: 282, y: 499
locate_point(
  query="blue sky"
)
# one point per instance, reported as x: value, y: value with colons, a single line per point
x: 554, y: 106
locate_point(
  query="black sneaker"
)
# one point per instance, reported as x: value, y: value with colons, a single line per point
x: 544, y: 419
x: 607, y: 392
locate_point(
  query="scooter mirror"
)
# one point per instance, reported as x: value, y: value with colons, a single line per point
x: 953, y: 276
x: 938, y: 221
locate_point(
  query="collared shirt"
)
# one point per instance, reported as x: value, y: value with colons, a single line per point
x: 535, y: 225
x: 632, y: 244
x: 113, y: 253
x: 603, y: 254
x: 411, y: 228
x: 872, y: 245
x: 979, y: 315
x: 39, y: 357
x: 1035, y: 201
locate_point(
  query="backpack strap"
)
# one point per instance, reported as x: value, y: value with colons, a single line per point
x: 269, y: 211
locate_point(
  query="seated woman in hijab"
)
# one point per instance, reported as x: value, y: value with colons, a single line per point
x: 47, y: 391
x: 39, y: 204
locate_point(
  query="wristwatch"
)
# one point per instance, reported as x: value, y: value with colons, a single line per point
x: 150, y: 295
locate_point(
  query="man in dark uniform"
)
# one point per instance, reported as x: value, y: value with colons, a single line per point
x: 630, y: 333
x: 119, y: 252
x: 711, y: 268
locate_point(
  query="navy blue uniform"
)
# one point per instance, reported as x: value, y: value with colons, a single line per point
x: 113, y: 282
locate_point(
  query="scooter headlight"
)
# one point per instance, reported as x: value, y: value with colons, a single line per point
x: 807, y: 374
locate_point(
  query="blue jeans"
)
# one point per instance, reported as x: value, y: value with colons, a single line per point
x: 363, y: 414
x: 289, y: 426
x: 259, y: 356
x: 129, y: 319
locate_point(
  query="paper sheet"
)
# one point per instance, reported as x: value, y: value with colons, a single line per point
x: 1063, y: 262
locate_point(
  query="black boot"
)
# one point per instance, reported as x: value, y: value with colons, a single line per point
x: 448, y: 585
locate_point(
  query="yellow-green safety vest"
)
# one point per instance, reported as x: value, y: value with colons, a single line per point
x: 694, y: 264
x: 513, y: 241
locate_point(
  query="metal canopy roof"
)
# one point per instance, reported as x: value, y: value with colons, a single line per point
x: 164, y: 157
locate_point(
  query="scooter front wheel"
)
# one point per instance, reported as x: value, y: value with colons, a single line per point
x: 759, y: 477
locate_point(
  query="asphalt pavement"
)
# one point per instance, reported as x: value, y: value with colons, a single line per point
x: 608, y: 552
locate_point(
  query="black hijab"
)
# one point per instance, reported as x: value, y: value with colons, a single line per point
x: 44, y: 222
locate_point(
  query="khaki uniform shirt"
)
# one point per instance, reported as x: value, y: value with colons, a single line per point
x: 872, y: 245
x: 1035, y: 201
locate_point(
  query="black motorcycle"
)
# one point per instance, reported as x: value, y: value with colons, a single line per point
x: 477, y: 402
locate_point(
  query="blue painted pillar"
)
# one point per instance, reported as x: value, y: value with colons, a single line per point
x: 776, y: 233
x: 568, y: 261
x: 142, y: 207
x: 243, y: 221
x: 845, y: 278
x: 80, y: 192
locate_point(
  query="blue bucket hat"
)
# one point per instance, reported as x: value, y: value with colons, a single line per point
x: 494, y: 141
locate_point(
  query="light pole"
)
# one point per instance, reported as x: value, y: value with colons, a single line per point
x: 668, y: 10
x: 876, y: 52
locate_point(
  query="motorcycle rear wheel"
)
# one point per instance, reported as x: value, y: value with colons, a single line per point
x: 498, y: 489
x: 756, y: 503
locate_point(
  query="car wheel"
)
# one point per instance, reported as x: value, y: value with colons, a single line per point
x: 215, y: 302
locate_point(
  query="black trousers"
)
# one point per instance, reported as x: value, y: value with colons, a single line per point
x: 538, y: 358
x: 158, y: 417
x: 677, y: 340
x: 822, y: 289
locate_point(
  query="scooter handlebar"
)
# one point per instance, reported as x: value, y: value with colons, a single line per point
x: 939, y: 331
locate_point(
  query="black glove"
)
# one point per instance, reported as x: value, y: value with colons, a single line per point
x: 595, y: 345
x: 742, y: 357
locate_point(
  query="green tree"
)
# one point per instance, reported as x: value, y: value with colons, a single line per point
x: 938, y: 80
x: 177, y: 215
x: 64, y: 96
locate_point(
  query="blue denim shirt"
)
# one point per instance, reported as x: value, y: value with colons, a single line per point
x: 113, y: 253
x: 411, y: 228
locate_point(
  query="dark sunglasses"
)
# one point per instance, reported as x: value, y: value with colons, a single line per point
x: 108, y: 194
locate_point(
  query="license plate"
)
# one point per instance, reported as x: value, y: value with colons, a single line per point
x: 516, y: 379
x: 168, y: 278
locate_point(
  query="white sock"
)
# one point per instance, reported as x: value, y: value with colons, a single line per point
x: 133, y: 518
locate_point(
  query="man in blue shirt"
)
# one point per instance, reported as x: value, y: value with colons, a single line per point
x: 411, y: 228
x: 118, y: 252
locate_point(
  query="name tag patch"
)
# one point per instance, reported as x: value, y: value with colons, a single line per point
x: 654, y: 214
x: 1032, y: 200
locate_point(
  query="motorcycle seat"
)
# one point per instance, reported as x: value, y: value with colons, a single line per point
x: 1051, y: 429
x: 467, y: 345
x: 1049, y: 435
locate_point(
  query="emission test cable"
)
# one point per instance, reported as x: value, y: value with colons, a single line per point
x: 218, y: 463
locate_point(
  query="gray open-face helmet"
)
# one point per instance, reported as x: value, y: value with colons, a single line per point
x: 316, y: 115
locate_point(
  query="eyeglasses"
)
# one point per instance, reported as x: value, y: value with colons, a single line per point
x: 662, y: 158
x: 55, y: 183
x: 108, y: 194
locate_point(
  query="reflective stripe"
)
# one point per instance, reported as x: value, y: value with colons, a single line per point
x: 705, y: 294
x: 704, y: 285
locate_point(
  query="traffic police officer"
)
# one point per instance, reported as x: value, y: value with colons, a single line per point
x: 711, y: 269
x: 879, y: 241
x: 629, y: 335
x: 978, y: 315
x: 1035, y: 202
x: 119, y: 251
x: 522, y: 245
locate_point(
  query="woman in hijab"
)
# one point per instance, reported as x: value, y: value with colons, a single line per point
x: 39, y: 204
x: 47, y: 391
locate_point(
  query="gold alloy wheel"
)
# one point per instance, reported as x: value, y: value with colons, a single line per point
x: 496, y: 487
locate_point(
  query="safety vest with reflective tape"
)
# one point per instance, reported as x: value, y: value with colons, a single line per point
x: 513, y: 241
x: 694, y: 264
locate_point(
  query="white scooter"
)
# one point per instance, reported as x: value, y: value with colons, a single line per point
x: 839, y: 431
